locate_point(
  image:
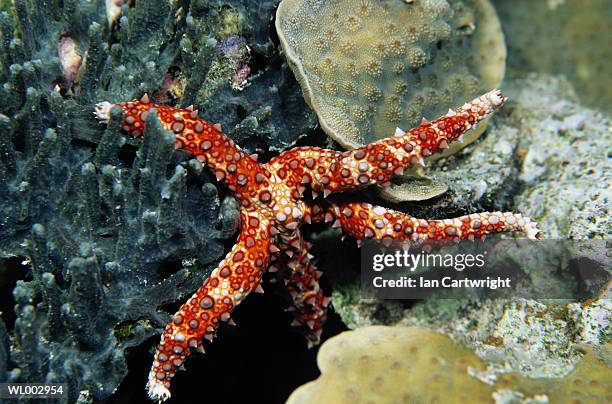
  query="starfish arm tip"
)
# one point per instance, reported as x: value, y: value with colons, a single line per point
x: 157, y: 391
x: 495, y: 98
x: 103, y: 110
x: 531, y: 230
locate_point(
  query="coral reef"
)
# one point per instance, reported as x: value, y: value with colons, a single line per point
x: 573, y: 41
x: 111, y: 234
x: 159, y: 41
x: 390, y: 365
x: 537, y: 339
x: 370, y: 68
x: 397, y: 364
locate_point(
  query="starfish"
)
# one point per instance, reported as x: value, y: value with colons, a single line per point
x: 272, y: 208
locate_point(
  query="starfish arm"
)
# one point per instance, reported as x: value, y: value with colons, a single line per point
x: 376, y: 163
x: 243, y: 175
x: 237, y: 275
x: 309, y: 304
x: 363, y: 220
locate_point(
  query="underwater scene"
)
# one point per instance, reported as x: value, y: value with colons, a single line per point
x: 306, y: 201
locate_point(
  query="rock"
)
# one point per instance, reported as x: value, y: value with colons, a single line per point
x: 565, y: 170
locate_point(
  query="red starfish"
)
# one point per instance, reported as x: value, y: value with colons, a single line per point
x: 272, y: 209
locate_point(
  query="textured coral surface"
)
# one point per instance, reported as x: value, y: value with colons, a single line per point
x: 399, y: 364
x: 368, y: 67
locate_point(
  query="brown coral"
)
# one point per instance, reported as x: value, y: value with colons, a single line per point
x: 351, y: 60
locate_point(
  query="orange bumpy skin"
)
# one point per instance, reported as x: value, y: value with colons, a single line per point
x: 272, y: 209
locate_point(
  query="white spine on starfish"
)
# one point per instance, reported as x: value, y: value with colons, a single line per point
x: 529, y: 227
